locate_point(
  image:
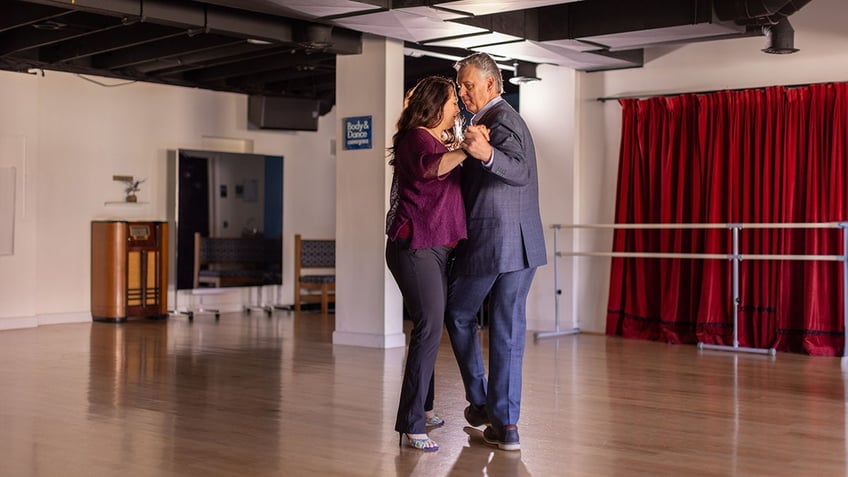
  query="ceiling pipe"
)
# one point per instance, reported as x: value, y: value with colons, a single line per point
x: 780, y: 38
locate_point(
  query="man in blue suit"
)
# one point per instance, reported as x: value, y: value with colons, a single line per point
x: 505, y: 245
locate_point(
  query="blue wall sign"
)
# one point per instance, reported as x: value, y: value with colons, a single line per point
x: 357, y: 132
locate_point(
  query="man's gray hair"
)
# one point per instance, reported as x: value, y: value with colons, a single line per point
x: 486, y: 65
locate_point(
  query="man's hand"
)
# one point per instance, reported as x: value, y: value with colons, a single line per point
x: 476, y: 142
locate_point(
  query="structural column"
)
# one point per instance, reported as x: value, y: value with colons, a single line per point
x: 368, y: 303
x: 549, y: 108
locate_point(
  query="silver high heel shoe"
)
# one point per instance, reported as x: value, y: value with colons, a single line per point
x: 426, y: 444
x: 434, y: 421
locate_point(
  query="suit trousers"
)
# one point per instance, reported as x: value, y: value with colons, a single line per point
x: 501, y: 392
x: 421, y: 275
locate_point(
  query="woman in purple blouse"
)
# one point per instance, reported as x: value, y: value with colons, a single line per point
x: 425, y: 221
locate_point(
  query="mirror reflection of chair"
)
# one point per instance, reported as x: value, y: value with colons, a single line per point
x: 314, y: 272
x: 228, y: 262
x: 237, y: 262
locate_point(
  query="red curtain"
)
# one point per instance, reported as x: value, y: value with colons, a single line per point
x: 754, y: 156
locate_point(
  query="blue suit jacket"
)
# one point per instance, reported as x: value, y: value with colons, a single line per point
x: 502, y: 203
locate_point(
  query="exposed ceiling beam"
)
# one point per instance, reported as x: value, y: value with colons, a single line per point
x: 269, y: 61
x: 106, y: 41
x: 15, y: 18
x: 204, y: 58
x: 71, y: 26
x: 171, y: 47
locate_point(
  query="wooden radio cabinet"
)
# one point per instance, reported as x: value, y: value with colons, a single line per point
x: 129, y: 270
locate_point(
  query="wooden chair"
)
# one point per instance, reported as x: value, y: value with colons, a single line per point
x: 320, y: 287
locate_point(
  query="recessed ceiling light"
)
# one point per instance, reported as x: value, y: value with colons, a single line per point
x: 49, y: 25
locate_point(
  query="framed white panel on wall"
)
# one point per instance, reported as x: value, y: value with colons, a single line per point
x: 13, y: 155
x: 7, y: 210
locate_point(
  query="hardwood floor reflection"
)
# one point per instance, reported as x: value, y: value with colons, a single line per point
x: 256, y: 395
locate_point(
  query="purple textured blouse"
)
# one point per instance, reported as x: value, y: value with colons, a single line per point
x: 431, y: 204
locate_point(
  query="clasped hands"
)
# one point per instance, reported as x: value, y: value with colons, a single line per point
x: 475, y: 142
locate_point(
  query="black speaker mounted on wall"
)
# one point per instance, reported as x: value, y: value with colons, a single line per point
x: 291, y: 114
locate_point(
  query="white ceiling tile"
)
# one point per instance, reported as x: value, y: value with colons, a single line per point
x: 575, y: 45
x: 536, y: 52
x: 435, y: 13
x: 406, y: 26
x: 485, y: 7
x: 641, y: 38
x: 325, y: 8
x: 525, y: 50
x: 470, y: 42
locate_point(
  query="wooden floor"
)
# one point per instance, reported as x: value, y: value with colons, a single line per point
x: 255, y: 396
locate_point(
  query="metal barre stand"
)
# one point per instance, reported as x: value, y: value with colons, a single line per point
x: 190, y: 312
x: 735, y: 257
x: 262, y: 306
x: 557, y: 292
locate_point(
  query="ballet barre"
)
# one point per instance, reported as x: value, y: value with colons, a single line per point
x: 734, y: 256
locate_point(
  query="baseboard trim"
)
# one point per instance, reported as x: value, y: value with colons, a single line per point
x: 21, y: 322
x: 18, y: 322
x: 59, y: 318
x: 369, y: 340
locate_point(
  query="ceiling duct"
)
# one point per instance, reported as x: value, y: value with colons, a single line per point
x: 757, y: 12
x: 748, y: 9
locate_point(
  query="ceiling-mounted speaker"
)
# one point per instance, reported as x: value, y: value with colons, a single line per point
x: 287, y: 114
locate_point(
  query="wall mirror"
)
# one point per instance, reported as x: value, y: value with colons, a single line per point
x: 226, y: 214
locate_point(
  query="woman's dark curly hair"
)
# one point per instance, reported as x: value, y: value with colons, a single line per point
x: 425, y: 103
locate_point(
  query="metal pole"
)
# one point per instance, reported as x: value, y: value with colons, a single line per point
x: 736, y: 298
x: 736, y: 258
x: 845, y: 288
x: 557, y: 292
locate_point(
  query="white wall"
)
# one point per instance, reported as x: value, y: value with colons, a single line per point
x: 18, y: 131
x: 69, y: 136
